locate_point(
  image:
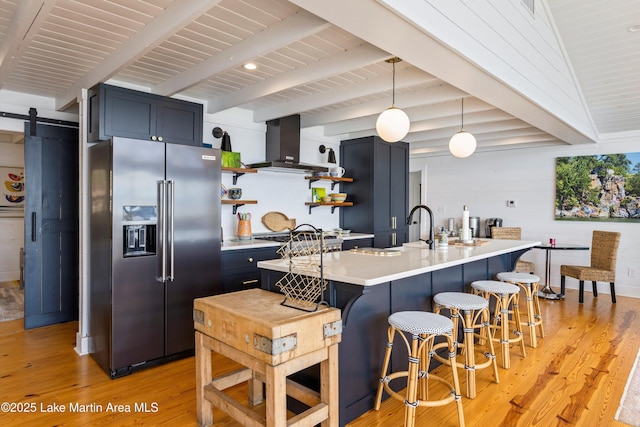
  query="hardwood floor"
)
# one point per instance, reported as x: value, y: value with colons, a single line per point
x: 576, y: 376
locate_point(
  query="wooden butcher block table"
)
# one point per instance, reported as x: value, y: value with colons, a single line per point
x: 272, y: 342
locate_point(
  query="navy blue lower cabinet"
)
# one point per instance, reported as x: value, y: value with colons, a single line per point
x: 239, y: 267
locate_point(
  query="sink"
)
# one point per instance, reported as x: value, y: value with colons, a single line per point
x: 376, y: 251
x: 419, y: 244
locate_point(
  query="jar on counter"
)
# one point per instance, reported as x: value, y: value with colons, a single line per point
x: 443, y: 239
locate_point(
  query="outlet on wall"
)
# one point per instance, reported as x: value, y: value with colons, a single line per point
x: 632, y: 272
x: 512, y: 203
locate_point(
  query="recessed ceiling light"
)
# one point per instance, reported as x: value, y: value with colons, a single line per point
x: 634, y: 28
x: 250, y: 66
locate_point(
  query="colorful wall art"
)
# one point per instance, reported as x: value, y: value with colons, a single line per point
x: 12, y: 191
x: 598, y: 188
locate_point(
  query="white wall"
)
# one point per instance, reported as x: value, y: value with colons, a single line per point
x: 485, y: 181
x: 11, y: 229
x: 275, y: 191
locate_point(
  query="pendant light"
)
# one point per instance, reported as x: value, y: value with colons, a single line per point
x: 393, y: 123
x: 462, y: 144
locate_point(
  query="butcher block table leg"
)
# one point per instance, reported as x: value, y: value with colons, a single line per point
x: 203, y: 377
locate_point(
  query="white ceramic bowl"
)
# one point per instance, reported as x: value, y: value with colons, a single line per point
x: 338, y: 197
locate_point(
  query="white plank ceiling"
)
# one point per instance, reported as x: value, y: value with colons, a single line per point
x: 308, y: 64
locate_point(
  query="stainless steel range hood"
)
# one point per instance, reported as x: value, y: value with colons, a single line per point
x: 283, y: 147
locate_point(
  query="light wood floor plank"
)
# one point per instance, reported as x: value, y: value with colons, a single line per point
x: 575, y: 377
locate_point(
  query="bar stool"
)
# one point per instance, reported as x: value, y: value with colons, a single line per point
x: 475, y: 310
x: 506, y: 295
x: 530, y: 283
x: 424, y: 327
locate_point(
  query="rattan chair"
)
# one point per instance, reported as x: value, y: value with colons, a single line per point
x: 604, y: 251
x: 513, y: 233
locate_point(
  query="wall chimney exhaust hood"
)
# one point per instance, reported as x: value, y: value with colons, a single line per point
x: 283, y: 147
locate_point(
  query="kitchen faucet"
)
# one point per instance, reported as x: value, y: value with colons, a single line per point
x: 430, y: 242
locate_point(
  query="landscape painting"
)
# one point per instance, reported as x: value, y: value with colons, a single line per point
x: 12, y: 191
x: 598, y: 188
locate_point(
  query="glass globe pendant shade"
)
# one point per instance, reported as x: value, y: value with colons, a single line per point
x: 462, y: 144
x: 393, y: 124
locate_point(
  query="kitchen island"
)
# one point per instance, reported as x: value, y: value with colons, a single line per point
x: 368, y: 288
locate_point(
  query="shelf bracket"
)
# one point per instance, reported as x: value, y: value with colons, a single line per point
x: 314, y: 180
x: 237, y: 175
x: 315, y: 205
x: 333, y: 184
x: 235, y: 207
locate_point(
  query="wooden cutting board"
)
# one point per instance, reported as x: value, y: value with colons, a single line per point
x: 277, y: 221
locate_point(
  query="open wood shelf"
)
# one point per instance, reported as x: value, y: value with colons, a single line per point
x: 237, y: 203
x: 334, y: 179
x: 238, y: 172
x: 333, y: 205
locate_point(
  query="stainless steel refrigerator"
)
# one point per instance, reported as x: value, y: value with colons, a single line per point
x: 155, y: 246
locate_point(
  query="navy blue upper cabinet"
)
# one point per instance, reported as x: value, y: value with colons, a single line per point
x: 379, y: 191
x: 116, y: 111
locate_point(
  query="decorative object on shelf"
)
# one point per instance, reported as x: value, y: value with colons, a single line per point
x: 393, y: 123
x: 277, y: 221
x: 317, y: 193
x: 234, y: 193
x: 244, y: 226
x: 230, y: 159
x: 462, y: 144
x: 338, y: 197
x: 332, y: 154
x: 223, y: 191
x: 336, y: 171
x: 326, y: 199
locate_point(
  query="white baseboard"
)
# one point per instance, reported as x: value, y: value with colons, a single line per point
x: 82, y: 345
x: 603, y: 288
x: 8, y: 276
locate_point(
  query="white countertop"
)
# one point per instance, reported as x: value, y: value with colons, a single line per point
x: 414, y: 259
x: 234, y: 244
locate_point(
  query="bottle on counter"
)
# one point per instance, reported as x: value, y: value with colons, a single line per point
x: 465, y: 232
x: 443, y: 240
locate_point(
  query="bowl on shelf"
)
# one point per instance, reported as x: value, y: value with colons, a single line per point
x: 338, y: 197
x: 326, y: 199
x: 234, y: 193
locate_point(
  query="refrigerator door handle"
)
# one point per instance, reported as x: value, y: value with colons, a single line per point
x: 170, y: 198
x: 162, y: 232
